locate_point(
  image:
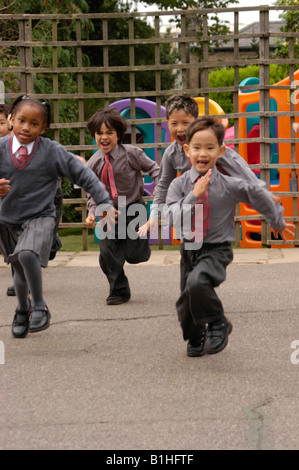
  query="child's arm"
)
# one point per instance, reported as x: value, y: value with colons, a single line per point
x: 234, y: 165
x: 82, y: 159
x: 296, y: 126
x: 110, y: 218
x: 166, y: 175
x: 70, y: 166
x: 152, y: 168
x: 149, y: 166
x: 262, y: 201
x: 289, y: 228
x: 4, y: 187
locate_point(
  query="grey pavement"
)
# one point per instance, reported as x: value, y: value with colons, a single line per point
x: 118, y: 377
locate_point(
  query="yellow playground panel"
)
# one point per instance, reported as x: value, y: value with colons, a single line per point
x: 214, y: 108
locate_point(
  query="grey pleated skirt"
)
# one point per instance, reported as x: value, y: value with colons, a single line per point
x: 35, y: 235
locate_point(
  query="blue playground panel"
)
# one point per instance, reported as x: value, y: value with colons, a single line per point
x: 145, y: 109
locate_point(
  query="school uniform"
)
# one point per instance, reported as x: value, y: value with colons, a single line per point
x: 27, y: 211
x: 204, y: 268
x: 127, y: 162
x: 175, y: 162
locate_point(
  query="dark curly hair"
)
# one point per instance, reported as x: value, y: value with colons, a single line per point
x: 111, y: 118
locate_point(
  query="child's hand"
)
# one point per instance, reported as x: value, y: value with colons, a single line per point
x: 110, y: 217
x: 296, y: 126
x: 82, y: 159
x: 202, y: 184
x: 4, y: 187
x: 289, y: 228
x: 151, y: 223
x: 276, y: 199
x: 90, y: 221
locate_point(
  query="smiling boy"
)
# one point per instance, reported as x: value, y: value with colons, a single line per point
x: 200, y: 311
x: 119, y: 166
x: 181, y: 111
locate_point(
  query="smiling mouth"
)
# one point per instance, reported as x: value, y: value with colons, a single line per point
x: 182, y: 138
x: 202, y: 162
x: 24, y: 136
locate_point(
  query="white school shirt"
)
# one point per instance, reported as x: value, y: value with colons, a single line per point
x: 16, y: 145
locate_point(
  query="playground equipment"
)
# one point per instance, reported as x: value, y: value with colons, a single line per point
x: 145, y: 109
x: 214, y: 108
x: 280, y: 153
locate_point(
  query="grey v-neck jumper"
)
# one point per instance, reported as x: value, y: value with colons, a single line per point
x: 33, y: 185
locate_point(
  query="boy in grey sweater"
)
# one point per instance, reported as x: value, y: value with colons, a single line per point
x: 206, y: 246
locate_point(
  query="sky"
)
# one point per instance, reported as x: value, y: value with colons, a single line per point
x: 244, y: 18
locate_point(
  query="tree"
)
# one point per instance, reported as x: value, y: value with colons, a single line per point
x: 67, y: 56
x: 224, y: 77
x: 187, y: 4
x: 291, y: 18
x: 215, y: 25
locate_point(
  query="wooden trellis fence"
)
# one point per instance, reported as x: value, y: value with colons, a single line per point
x: 28, y: 71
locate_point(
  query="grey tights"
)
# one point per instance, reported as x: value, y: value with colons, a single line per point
x: 28, y: 276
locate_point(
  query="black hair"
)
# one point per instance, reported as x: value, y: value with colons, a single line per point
x: 203, y: 123
x: 43, y: 105
x: 111, y: 118
x: 184, y: 102
x: 4, y: 108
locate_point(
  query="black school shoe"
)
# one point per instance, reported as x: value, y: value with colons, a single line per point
x: 11, y: 291
x: 217, y: 336
x: 40, y: 319
x: 118, y: 298
x: 20, y: 323
x: 196, y: 346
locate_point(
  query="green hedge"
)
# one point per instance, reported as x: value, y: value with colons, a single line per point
x: 225, y: 78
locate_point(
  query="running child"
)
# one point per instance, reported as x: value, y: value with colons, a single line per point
x: 4, y: 130
x: 206, y: 253
x: 119, y: 166
x: 31, y: 164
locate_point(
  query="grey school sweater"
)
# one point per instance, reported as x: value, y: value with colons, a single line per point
x: 33, y: 186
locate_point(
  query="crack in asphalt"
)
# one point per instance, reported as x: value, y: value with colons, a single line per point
x: 260, y: 423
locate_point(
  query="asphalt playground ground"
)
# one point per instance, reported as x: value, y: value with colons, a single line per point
x: 117, y: 378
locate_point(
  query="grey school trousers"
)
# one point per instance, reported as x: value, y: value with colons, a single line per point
x: 117, y: 249
x: 201, y: 271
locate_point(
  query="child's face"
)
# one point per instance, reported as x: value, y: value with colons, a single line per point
x: 204, y: 150
x: 178, y: 123
x: 28, y: 123
x: 3, y: 125
x: 106, y: 138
